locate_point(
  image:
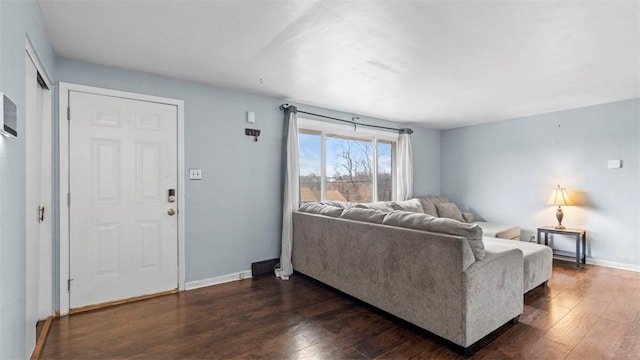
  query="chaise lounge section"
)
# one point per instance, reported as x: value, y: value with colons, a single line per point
x: 538, y: 259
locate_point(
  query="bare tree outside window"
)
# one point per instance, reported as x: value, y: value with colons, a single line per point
x: 353, y: 170
x: 310, y: 164
x: 385, y: 170
x: 350, y: 168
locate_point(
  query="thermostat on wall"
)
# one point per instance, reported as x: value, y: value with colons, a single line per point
x: 8, y: 117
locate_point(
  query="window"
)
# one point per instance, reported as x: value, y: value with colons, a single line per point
x: 310, y: 165
x: 349, y: 175
x: 338, y: 164
x: 386, y: 166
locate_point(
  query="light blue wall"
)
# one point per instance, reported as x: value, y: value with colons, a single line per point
x: 233, y: 215
x: 502, y: 171
x: 18, y: 20
x: 505, y: 171
x: 426, y: 162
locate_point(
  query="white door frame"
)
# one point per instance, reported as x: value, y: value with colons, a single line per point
x: 38, y: 258
x: 64, y: 179
x: 45, y: 256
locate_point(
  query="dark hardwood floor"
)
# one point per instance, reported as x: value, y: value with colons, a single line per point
x: 591, y: 313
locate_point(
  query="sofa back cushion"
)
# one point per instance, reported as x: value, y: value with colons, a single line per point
x: 338, y: 204
x: 321, y: 209
x: 412, y: 205
x: 472, y: 232
x: 380, y: 205
x: 368, y: 215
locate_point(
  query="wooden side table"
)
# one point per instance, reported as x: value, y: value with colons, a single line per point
x: 580, y: 236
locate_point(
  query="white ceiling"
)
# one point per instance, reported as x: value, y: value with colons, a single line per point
x: 439, y: 64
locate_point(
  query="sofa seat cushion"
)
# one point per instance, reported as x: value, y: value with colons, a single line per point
x: 538, y: 259
x: 499, y: 230
x: 472, y: 232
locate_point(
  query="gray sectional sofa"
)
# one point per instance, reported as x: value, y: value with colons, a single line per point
x: 437, y: 273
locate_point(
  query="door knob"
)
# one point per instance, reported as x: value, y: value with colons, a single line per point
x: 171, y: 212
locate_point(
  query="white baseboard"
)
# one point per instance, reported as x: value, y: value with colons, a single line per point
x: 614, y: 265
x: 190, y: 285
x: 604, y: 263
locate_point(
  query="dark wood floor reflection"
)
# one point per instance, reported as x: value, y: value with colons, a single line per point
x: 591, y: 313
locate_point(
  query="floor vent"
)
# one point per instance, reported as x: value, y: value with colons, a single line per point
x: 263, y: 267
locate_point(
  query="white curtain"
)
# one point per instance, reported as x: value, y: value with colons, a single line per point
x: 291, y: 199
x: 405, y: 167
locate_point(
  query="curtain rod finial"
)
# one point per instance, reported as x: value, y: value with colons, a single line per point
x: 283, y: 106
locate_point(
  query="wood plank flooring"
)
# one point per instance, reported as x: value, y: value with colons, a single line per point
x: 590, y: 313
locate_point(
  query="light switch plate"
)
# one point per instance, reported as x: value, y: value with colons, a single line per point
x: 195, y: 174
x: 251, y: 117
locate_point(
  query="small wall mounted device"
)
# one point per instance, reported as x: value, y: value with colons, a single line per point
x: 8, y: 117
x: 614, y: 164
x: 252, y: 132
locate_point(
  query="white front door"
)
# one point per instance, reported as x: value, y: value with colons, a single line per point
x: 123, y: 162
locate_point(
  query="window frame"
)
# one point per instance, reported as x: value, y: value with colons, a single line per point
x: 362, y: 133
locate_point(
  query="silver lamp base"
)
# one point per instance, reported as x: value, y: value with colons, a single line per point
x: 559, y: 216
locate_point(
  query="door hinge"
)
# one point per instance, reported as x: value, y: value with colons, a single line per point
x: 69, y: 285
x: 68, y: 113
x: 40, y: 213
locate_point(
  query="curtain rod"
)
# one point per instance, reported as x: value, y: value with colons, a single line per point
x: 283, y: 107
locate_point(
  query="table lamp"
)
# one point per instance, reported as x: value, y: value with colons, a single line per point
x: 559, y: 197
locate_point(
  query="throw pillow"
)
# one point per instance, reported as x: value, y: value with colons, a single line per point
x: 429, y: 207
x: 412, y: 205
x: 429, y: 204
x: 439, y: 199
x: 449, y: 210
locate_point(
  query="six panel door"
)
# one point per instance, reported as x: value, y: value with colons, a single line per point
x: 123, y: 161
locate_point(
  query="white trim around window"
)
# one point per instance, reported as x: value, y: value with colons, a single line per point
x: 343, y: 129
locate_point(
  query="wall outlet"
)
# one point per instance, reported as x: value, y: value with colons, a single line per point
x: 195, y: 174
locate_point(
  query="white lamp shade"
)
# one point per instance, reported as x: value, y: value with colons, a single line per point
x: 559, y: 197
